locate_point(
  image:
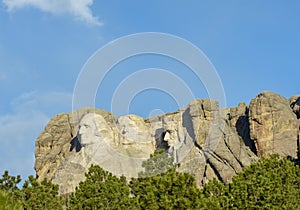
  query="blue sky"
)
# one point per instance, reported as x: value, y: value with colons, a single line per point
x: 254, y: 46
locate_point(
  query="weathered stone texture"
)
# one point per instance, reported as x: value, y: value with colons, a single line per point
x: 205, y: 140
x: 273, y: 125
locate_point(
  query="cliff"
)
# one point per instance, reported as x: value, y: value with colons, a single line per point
x: 205, y: 140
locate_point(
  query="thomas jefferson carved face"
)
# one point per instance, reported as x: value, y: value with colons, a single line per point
x: 133, y: 128
x: 92, y: 128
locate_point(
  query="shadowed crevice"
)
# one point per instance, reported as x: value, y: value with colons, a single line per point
x: 75, y: 144
x: 187, y: 123
x: 243, y: 129
x: 159, y: 139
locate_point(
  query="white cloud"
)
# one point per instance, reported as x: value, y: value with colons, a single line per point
x: 20, y: 128
x: 80, y: 9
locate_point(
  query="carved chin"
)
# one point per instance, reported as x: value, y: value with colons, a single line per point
x: 84, y: 142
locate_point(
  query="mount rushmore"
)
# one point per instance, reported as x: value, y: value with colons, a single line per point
x: 207, y: 141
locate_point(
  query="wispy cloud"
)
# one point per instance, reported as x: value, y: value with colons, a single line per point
x: 17, y: 137
x: 20, y: 128
x: 49, y: 102
x: 79, y: 9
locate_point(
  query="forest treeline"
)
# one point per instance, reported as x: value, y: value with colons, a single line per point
x: 270, y: 183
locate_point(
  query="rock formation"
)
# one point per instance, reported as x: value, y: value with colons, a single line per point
x: 273, y: 125
x: 295, y: 104
x: 207, y: 141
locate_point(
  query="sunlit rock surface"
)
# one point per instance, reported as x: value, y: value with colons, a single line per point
x: 205, y: 140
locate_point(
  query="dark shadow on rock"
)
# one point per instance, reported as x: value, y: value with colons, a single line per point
x: 75, y: 144
x: 296, y: 103
x: 243, y: 128
x: 188, y: 124
x: 159, y: 139
x: 215, y: 170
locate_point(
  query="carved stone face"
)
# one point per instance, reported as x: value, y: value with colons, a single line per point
x: 170, y: 138
x: 133, y: 128
x: 87, y: 129
x: 97, y: 136
x: 92, y: 128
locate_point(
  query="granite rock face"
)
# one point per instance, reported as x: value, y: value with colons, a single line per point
x: 207, y: 141
x: 53, y: 145
x: 273, y: 125
x: 59, y: 141
x: 295, y: 104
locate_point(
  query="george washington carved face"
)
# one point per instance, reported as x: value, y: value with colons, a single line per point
x: 92, y: 128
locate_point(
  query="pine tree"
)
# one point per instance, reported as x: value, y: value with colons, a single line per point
x: 10, y: 193
x: 40, y: 195
x: 8, y: 201
x: 159, y: 162
x: 102, y: 190
x: 271, y: 183
x: 9, y: 183
x: 170, y: 190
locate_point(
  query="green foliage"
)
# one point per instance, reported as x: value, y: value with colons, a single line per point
x: 171, y: 190
x: 159, y: 162
x: 271, y: 183
x: 215, y: 193
x: 40, y: 195
x: 10, y: 193
x: 161, y: 187
x: 9, y: 202
x: 9, y: 183
x: 102, y: 190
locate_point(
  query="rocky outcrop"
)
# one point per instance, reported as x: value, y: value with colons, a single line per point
x: 205, y: 140
x: 222, y: 152
x: 295, y: 104
x: 52, y: 146
x: 273, y: 126
x: 59, y: 140
x: 238, y: 118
